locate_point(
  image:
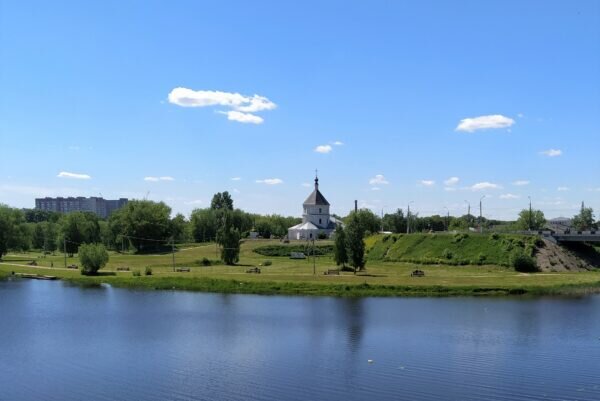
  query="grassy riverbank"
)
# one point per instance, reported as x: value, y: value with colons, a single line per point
x: 295, y: 277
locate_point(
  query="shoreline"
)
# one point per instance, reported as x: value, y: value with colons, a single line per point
x: 297, y: 288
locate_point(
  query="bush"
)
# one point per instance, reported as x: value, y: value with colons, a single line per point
x: 148, y: 271
x: 267, y: 263
x: 447, y: 253
x: 285, y: 250
x: 93, y: 258
x: 494, y: 236
x: 205, y: 262
x: 523, y: 263
x: 482, y: 258
x: 322, y: 236
x: 136, y: 273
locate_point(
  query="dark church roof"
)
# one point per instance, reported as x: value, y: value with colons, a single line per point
x: 316, y: 197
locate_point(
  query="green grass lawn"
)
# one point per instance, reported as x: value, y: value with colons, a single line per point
x: 287, y: 276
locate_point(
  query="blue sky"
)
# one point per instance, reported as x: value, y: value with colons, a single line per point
x: 434, y: 102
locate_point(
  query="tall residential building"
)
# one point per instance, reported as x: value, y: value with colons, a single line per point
x: 100, y: 206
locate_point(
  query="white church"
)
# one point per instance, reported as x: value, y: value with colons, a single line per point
x: 315, y: 218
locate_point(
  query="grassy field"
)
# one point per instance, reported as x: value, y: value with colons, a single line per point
x: 287, y: 276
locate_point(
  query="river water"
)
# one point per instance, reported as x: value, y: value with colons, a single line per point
x: 62, y: 342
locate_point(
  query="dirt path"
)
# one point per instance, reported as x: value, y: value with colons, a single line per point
x: 555, y: 258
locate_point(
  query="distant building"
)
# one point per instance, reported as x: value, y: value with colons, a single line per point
x: 100, y: 206
x: 316, y: 219
x: 560, y: 223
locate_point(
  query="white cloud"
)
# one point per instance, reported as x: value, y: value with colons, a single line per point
x: 338, y: 143
x: 562, y: 189
x: 241, y: 106
x: 379, y: 179
x: 194, y: 202
x: 451, y: 181
x: 270, y: 181
x: 244, y: 118
x: 509, y: 196
x: 323, y: 149
x: 427, y: 183
x: 484, y: 122
x: 156, y: 179
x: 75, y: 176
x: 236, y: 178
x: 520, y: 183
x: 481, y: 186
x: 552, y: 152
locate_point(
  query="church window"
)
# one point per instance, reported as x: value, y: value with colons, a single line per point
x: 319, y: 210
x: 319, y: 221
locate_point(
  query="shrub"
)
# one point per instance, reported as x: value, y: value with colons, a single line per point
x: 482, y: 258
x: 136, y: 273
x: 523, y: 263
x: 494, y: 236
x: 205, y: 262
x: 322, y: 236
x: 267, y: 263
x: 447, y: 253
x: 148, y: 271
x: 539, y: 243
x: 93, y: 258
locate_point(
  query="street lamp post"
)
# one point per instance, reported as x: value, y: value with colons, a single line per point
x: 447, y: 218
x: 530, y: 214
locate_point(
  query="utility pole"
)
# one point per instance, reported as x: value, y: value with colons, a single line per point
x: 447, y: 218
x: 173, y: 251
x: 314, y: 258
x: 408, y: 217
x: 530, y: 214
x: 481, y: 215
x: 65, y: 249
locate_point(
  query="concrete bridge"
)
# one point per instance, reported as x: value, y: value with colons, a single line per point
x: 583, y: 236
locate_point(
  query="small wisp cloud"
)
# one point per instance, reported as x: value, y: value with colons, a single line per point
x: 552, y: 152
x: 73, y: 176
x: 270, y: 181
x: 323, y: 149
x: 482, y: 186
x: 379, y: 179
x: 241, y: 107
x: 494, y: 121
x: 157, y: 179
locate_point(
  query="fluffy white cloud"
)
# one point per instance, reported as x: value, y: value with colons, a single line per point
x: 236, y: 178
x: 338, y: 143
x: 379, y: 179
x: 245, y: 118
x: 427, y: 183
x: 552, y: 152
x: 156, y: 179
x: 270, y: 181
x: 484, y: 122
x: 451, y: 181
x: 562, y: 189
x: 241, y: 106
x: 509, y: 196
x: 323, y: 149
x: 481, y: 186
x: 75, y: 176
x: 520, y: 183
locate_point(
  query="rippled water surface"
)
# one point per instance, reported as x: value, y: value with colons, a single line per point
x: 59, y: 342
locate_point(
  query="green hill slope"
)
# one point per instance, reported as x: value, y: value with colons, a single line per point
x: 450, y: 249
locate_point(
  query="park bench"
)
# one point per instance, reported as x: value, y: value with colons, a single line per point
x: 253, y: 270
x: 297, y: 255
x: 417, y: 273
x: 122, y: 269
x: 183, y: 269
x: 332, y: 272
x: 72, y: 267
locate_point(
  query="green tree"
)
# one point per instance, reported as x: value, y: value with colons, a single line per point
x: 340, y: 251
x: 204, y: 225
x: 179, y: 228
x: 78, y: 228
x: 93, y: 257
x: 395, y: 222
x: 355, y: 243
x: 368, y: 221
x: 531, y: 221
x: 229, y: 238
x: 146, y: 224
x: 585, y: 219
x: 14, y: 233
x: 221, y: 201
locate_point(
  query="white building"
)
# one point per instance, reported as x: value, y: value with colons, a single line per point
x: 315, y: 218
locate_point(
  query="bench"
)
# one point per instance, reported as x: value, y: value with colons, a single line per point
x: 253, y: 270
x: 332, y: 272
x: 297, y: 255
x: 72, y: 267
x: 123, y: 269
x: 183, y: 269
x: 418, y: 273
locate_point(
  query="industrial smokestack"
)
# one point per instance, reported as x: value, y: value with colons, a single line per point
x: 355, y: 206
